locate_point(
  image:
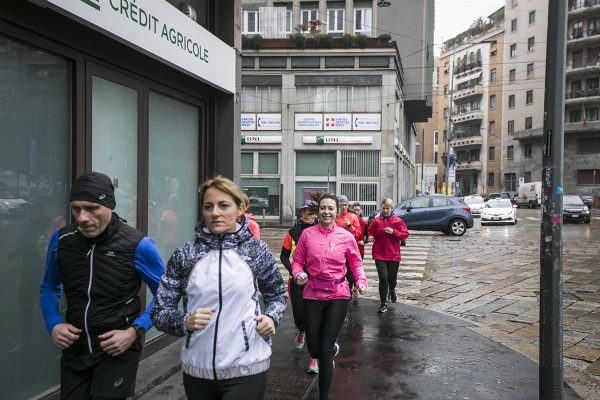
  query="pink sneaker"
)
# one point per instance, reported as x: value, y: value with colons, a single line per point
x: 299, y: 340
x: 313, y: 365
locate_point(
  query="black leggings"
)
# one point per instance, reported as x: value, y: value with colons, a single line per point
x: 247, y: 387
x: 388, y: 274
x: 297, y: 304
x: 324, y: 319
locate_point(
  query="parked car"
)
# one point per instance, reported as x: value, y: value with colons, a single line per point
x: 434, y: 213
x: 498, y: 195
x: 514, y: 196
x: 530, y: 194
x: 499, y: 211
x: 475, y: 203
x: 575, y: 210
x: 10, y: 204
x: 587, y: 200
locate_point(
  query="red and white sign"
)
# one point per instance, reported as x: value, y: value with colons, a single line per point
x: 337, y: 122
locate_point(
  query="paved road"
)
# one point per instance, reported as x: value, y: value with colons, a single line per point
x: 490, y: 276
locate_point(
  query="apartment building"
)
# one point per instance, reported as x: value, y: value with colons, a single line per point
x: 471, y: 104
x: 523, y: 91
x: 332, y: 110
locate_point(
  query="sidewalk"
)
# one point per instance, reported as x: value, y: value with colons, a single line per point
x: 406, y: 353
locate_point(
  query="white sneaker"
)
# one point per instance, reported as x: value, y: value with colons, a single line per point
x: 313, y: 365
x: 336, y: 349
x: 299, y: 340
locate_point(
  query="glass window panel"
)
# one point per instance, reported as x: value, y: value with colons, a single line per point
x: 263, y: 195
x: 315, y: 163
x: 374, y: 99
x: 331, y: 96
x: 359, y: 99
x: 302, y: 99
x: 249, y: 99
x: 247, y: 162
x: 268, y: 163
x: 274, y: 98
x: 303, y: 188
x: 35, y: 153
x: 344, y: 98
x: 114, y: 141
x: 317, y: 95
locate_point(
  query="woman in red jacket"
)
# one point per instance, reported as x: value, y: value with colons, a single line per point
x: 386, y: 232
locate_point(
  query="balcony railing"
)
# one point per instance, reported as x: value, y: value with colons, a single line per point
x: 576, y: 94
x: 591, y: 60
x: 464, y: 141
x: 577, y: 5
x: 467, y: 67
x: 467, y: 116
x: 472, y: 90
x: 464, y: 165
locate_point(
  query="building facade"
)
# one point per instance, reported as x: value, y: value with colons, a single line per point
x: 429, y: 144
x: 146, y: 97
x: 331, y: 105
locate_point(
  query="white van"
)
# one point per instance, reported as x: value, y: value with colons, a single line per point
x: 530, y: 194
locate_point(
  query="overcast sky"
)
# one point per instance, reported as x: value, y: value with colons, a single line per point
x: 455, y: 16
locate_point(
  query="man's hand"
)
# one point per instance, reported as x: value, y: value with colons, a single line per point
x: 117, y: 341
x: 198, y: 319
x: 63, y: 335
x: 265, y: 326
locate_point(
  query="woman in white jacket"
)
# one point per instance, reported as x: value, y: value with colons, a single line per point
x: 218, y: 275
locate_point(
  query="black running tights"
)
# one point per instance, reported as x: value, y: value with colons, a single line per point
x: 388, y: 274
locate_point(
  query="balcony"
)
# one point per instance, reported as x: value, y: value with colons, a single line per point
x: 472, y: 165
x: 585, y: 7
x: 467, y: 116
x: 468, y: 68
x: 582, y: 127
x: 466, y: 141
x: 578, y: 96
x: 576, y: 65
x: 466, y: 93
x: 580, y: 36
x: 528, y: 134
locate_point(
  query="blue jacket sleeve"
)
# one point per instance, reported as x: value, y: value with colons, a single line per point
x: 149, y: 264
x: 51, y: 287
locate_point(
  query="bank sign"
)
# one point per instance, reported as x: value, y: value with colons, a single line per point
x: 160, y: 30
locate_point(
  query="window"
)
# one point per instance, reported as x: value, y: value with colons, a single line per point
x: 306, y: 16
x: 593, y: 27
x: 527, y: 150
x: 588, y: 145
x: 531, y: 17
x: 510, y: 181
x: 492, y: 128
x: 511, y: 101
x: 247, y: 164
x: 445, y: 135
x: 592, y: 85
x: 250, y: 22
x: 362, y: 21
x: 531, y: 44
x: 338, y: 99
x: 439, y: 202
x: 528, y: 122
x: 577, y: 59
x: 510, y: 152
x: 588, y: 176
x: 423, y: 202
x: 493, y: 76
x: 261, y: 99
x: 491, y: 179
x: 527, y: 176
x: 259, y: 163
x: 492, y: 101
x: 435, y: 157
x: 514, y: 3
x: 529, y: 97
x: 287, y: 27
x: 335, y: 21
x: 445, y: 112
x: 513, y: 25
x: 513, y: 50
x: 512, y: 76
x: 494, y: 52
x: 436, y: 135
x: 315, y: 163
x: 446, y: 90
x: 591, y: 114
x: 511, y: 126
x: 575, y: 116
x: 491, y: 153
x: 529, y: 70
x: 577, y: 30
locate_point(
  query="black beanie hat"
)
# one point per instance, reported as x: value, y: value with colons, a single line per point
x: 94, y: 187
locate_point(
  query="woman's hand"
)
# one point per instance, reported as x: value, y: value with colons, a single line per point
x: 389, y: 230
x: 301, y: 278
x: 198, y: 319
x: 265, y: 326
x: 362, y: 289
x: 371, y: 239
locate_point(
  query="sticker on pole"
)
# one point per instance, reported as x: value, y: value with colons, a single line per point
x: 548, y: 143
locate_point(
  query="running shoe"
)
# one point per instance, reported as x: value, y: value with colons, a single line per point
x: 393, y: 296
x: 336, y: 349
x: 299, y: 340
x: 313, y: 365
x: 382, y: 309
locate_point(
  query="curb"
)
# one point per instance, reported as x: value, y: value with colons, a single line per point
x: 157, y: 368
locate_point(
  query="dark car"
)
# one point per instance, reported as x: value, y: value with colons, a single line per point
x: 434, y: 213
x: 575, y: 210
x: 587, y: 200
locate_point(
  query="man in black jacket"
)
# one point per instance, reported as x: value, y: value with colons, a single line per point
x: 100, y: 262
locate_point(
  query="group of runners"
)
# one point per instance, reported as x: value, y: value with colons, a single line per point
x: 209, y: 291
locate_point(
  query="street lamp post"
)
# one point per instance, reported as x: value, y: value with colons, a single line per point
x: 449, y: 123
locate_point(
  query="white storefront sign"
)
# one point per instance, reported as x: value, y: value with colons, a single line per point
x: 160, y: 30
x: 252, y: 139
x: 337, y: 122
x: 248, y: 122
x: 366, y: 122
x: 308, y: 122
x: 268, y: 122
x: 451, y: 174
x: 337, y: 139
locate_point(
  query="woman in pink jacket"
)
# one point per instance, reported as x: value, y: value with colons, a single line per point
x: 386, y: 232
x: 324, y: 248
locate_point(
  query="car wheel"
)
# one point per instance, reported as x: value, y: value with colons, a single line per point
x: 457, y: 227
x: 514, y: 223
x: 587, y: 221
x: 530, y: 204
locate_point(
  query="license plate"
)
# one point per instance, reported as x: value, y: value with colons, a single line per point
x: 495, y: 218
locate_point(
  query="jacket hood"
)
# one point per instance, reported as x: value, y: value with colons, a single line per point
x: 228, y: 240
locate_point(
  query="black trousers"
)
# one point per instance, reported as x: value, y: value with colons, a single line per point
x: 324, y: 319
x: 388, y: 274
x: 250, y: 387
x: 297, y: 302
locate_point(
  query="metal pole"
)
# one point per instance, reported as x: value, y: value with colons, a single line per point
x: 551, y: 256
x: 422, y: 158
x: 449, y: 121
